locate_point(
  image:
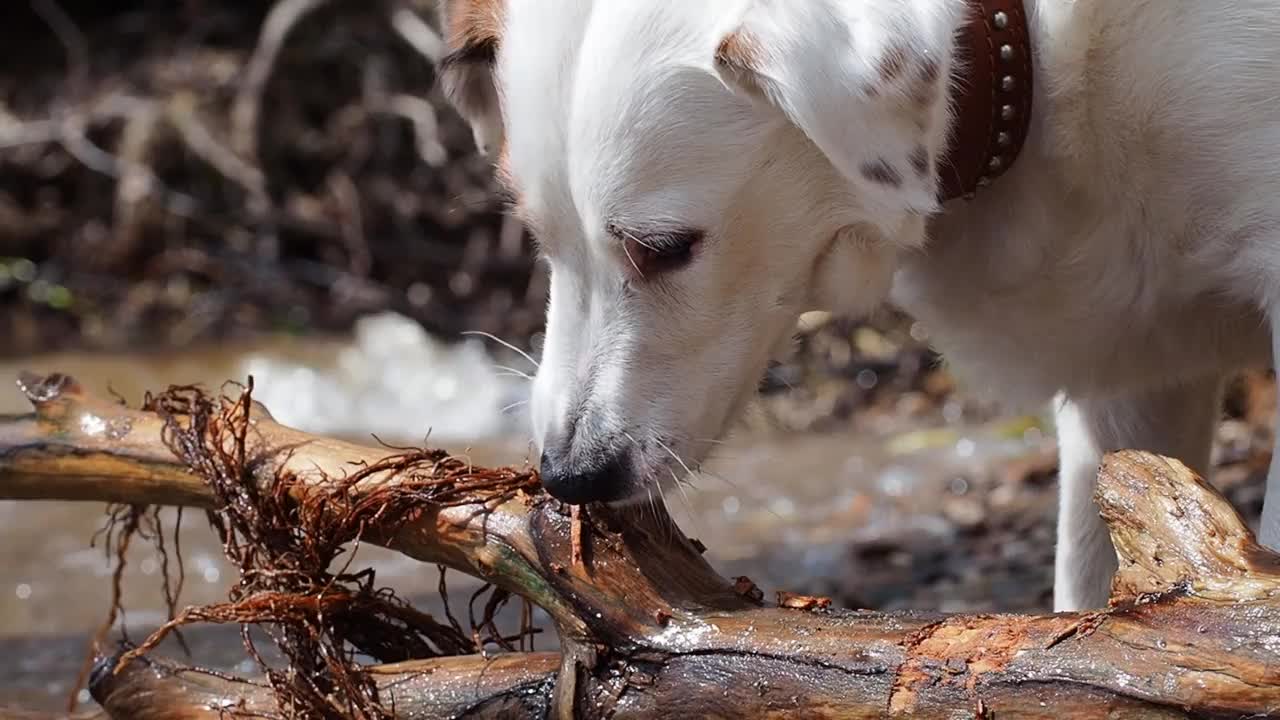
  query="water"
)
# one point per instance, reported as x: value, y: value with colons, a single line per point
x: 394, y: 380
x: 782, y: 509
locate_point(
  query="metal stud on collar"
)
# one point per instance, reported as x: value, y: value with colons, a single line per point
x: 1007, y: 83
x: 998, y: 41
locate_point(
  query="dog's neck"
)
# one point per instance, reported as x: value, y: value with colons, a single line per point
x: 991, y: 97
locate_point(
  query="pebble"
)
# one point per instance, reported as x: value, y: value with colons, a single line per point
x: 965, y: 512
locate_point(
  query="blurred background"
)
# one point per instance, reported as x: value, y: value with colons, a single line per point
x: 194, y: 191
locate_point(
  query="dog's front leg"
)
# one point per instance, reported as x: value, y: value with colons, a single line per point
x: 1177, y: 421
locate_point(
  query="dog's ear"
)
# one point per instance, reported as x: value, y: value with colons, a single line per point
x: 473, y: 29
x: 866, y: 82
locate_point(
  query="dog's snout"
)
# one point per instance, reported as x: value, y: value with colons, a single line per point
x: 597, y: 477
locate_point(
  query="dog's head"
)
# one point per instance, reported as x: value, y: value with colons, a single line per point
x: 697, y: 174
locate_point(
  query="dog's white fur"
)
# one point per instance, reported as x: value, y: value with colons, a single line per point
x: 1126, y: 263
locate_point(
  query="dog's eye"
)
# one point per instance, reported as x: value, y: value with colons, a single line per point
x: 657, y: 253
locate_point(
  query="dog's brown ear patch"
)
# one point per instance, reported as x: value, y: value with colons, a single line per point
x: 473, y: 34
x: 737, y: 60
x: 473, y: 29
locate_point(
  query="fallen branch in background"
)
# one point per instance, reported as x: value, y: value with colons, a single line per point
x: 647, y: 628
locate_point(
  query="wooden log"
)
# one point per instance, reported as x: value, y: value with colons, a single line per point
x: 470, y: 687
x: 650, y: 630
x: 16, y: 713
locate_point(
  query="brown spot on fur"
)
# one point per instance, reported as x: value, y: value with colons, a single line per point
x: 473, y: 28
x: 882, y: 172
x: 921, y: 103
x: 892, y: 64
x: 738, y: 56
x: 923, y: 97
x: 926, y: 90
x: 929, y: 71
x: 738, y: 49
x: 920, y: 160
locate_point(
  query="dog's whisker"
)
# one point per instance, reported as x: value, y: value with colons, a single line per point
x: 650, y: 507
x: 503, y: 343
x: 638, y: 241
x: 512, y: 375
x: 731, y: 483
x: 688, y: 506
x: 653, y: 482
x: 672, y: 453
x: 680, y: 486
x: 632, y: 260
x: 508, y: 371
x: 513, y: 406
x: 693, y: 472
x: 662, y: 494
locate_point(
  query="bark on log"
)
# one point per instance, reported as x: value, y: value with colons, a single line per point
x: 505, y: 686
x: 650, y: 630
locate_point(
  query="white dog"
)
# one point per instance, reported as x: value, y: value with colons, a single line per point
x: 699, y: 173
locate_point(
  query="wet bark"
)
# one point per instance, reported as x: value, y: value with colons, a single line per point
x: 650, y: 630
x: 504, y: 686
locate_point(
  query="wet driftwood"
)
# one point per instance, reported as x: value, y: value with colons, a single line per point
x: 517, y: 685
x: 648, y: 629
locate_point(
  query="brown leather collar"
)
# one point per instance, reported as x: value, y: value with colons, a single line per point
x: 991, y: 99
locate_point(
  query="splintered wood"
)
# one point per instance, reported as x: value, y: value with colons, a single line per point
x: 575, y: 537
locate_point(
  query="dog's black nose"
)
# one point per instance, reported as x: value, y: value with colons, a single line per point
x: 599, y: 477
